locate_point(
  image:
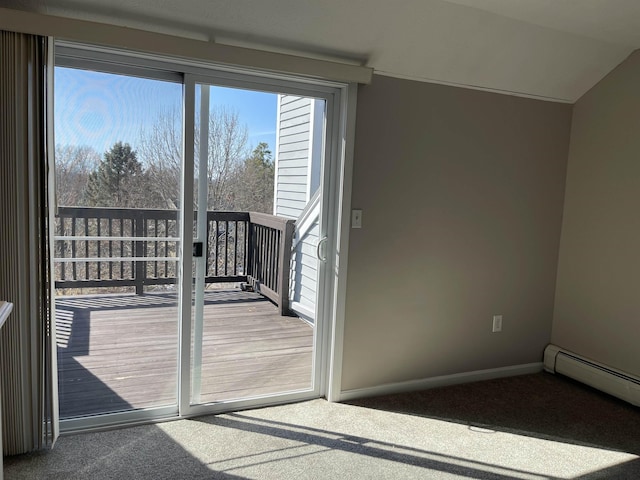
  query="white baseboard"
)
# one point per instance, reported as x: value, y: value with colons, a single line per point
x: 442, y: 381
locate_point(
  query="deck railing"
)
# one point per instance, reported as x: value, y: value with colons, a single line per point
x: 269, y: 256
x: 119, y: 247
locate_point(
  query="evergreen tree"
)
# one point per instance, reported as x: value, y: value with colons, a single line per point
x: 252, y: 186
x: 117, y: 180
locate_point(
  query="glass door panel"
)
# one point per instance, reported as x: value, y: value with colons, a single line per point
x: 258, y: 158
x: 118, y: 165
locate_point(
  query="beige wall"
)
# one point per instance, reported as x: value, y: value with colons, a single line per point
x: 597, y: 309
x: 462, y: 195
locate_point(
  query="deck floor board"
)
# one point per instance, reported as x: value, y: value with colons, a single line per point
x: 119, y: 352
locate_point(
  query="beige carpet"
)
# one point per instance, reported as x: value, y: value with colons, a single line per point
x: 530, y: 427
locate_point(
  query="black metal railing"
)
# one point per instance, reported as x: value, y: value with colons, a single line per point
x: 120, y: 247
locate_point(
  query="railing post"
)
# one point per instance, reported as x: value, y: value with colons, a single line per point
x: 63, y: 245
x: 250, y: 242
x: 141, y: 266
x: 284, y: 266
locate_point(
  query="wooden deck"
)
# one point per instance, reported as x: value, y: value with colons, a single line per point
x: 119, y: 352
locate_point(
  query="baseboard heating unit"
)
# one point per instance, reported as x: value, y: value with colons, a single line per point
x: 596, y: 375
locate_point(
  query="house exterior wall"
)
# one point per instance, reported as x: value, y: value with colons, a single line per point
x: 597, y: 305
x: 462, y: 196
x: 304, y: 272
x: 299, y: 143
x: 292, y: 155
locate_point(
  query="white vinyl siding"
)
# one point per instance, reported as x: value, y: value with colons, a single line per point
x: 299, y: 147
x: 288, y: 211
x: 316, y: 147
x: 304, y: 273
x: 292, y: 155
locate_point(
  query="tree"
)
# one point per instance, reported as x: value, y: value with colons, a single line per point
x: 253, y: 180
x: 117, y: 181
x: 161, y: 153
x: 227, y: 149
x: 73, y: 164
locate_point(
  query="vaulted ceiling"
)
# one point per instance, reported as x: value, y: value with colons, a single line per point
x: 554, y: 49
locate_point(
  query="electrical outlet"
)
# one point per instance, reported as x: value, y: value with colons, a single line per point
x: 356, y: 219
x: 497, y: 323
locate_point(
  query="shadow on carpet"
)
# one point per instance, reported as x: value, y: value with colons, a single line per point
x: 541, y: 405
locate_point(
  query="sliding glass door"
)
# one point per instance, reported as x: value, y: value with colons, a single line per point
x: 192, y: 228
x: 257, y: 234
x: 118, y: 165
x: 249, y: 343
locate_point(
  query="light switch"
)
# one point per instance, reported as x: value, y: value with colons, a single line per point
x: 356, y: 218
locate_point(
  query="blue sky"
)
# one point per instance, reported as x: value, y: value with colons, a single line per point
x: 99, y: 109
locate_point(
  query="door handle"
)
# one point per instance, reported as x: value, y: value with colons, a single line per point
x: 321, y: 243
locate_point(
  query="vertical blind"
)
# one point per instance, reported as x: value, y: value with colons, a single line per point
x: 27, y: 363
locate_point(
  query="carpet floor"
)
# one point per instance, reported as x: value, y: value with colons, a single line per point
x: 536, y: 427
